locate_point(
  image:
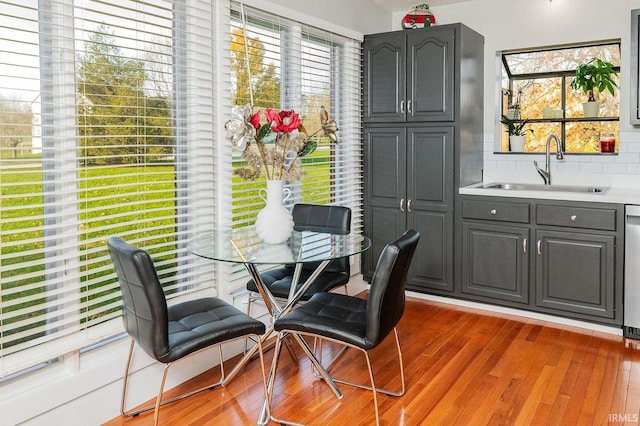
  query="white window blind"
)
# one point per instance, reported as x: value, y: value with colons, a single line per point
x: 296, y: 66
x: 106, y: 129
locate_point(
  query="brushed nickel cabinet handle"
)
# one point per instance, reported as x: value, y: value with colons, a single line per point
x: 573, y: 218
x: 402, y: 106
x: 409, y: 206
x: 493, y: 212
x: 524, y: 246
x: 402, y: 205
x: 539, y: 247
x: 409, y: 107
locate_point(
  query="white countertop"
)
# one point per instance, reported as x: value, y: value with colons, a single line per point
x: 613, y: 194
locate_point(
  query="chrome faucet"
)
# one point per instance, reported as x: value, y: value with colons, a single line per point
x: 546, y: 173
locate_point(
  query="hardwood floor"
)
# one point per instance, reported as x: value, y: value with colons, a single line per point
x: 462, y: 367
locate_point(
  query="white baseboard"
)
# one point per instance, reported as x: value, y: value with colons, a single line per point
x: 518, y: 312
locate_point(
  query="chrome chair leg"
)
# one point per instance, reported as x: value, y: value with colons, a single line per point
x: 373, y: 388
x: 125, y: 381
x: 159, y: 402
x: 381, y: 390
x: 156, y: 412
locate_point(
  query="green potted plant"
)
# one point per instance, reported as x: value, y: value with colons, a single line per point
x: 517, y: 133
x: 593, y: 75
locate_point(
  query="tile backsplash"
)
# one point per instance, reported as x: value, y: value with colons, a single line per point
x: 622, y: 169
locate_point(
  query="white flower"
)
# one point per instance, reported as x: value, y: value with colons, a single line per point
x: 239, y: 126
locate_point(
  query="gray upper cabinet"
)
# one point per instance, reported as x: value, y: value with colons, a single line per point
x: 409, y: 76
x: 384, y: 78
x: 419, y: 144
x: 430, y: 54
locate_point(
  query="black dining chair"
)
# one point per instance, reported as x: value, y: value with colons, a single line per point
x: 315, y: 218
x: 172, y: 333
x: 357, y: 323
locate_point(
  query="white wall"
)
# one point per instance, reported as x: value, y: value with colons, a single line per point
x: 514, y: 24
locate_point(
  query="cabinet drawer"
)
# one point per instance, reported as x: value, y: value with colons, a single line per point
x: 495, y: 210
x: 577, y: 217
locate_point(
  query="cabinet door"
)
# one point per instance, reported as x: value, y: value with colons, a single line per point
x: 432, y: 266
x: 495, y: 262
x: 430, y: 168
x: 382, y: 225
x: 385, y: 168
x: 430, y: 74
x: 429, y: 205
x: 384, y: 77
x: 575, y: 272
x: 384, y: 190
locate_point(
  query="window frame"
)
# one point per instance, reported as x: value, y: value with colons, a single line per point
x: 565, y: 77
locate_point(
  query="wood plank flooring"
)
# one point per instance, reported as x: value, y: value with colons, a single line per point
x: 462, y: 367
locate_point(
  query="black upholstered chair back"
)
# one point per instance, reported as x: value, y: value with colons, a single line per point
x: 385, y: 303
x: 144, y: 305
x: 323, y: 218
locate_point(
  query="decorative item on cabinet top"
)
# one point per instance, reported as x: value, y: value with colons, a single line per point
x: 418, y: 17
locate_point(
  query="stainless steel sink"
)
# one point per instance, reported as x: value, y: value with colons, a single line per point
x: 540, y: 187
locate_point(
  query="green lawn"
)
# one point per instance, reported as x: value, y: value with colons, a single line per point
x: 135, y: 201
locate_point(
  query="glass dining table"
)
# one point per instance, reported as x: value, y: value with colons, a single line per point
x: 243, y: 246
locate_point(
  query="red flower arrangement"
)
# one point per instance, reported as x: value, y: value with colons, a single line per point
x: 275, y: 147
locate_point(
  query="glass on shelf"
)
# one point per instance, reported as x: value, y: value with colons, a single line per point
x: 584, y: 137
x: 607, y: 143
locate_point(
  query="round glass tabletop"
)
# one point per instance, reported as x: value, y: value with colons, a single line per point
x: 243, y: 246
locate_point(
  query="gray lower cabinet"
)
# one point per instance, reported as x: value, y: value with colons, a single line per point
x: 495, y: 240
x: 575, y: 272
x: 398, y: 161
x: 572, y: 267
x: 496, y: 262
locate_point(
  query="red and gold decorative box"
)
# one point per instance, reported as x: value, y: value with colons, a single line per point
x: 419, y: 17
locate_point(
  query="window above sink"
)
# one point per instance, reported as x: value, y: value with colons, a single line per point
x: 536, y: 88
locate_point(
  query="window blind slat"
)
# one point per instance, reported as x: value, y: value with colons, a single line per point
x: 105, y: 131
x: 309, y: 68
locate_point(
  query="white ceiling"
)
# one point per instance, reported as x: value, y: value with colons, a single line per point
x: 406, y: 5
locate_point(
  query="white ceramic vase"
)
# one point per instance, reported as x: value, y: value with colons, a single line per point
x: 274, y: 222
x: 517, y: 143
